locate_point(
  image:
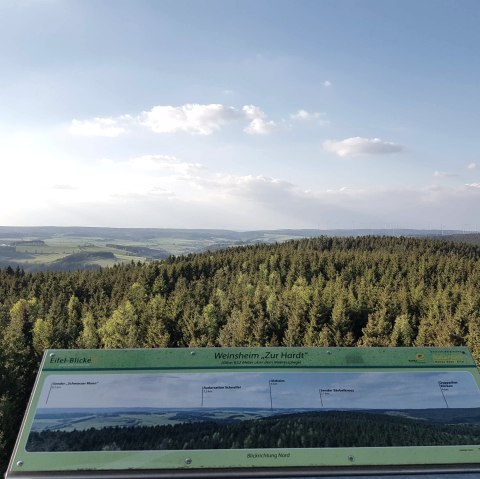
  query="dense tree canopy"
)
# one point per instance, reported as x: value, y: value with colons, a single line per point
x: 308, y: 429
x: 325, y: 291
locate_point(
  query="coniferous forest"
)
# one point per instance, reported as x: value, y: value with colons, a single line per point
x: 365, y: 291
x: 308, y: 429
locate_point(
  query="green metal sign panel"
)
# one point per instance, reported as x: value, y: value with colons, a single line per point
x: 251, y: 408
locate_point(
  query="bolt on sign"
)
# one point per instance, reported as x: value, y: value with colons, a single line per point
x: 273, y: 412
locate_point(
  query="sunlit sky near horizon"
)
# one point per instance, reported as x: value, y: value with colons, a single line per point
x: 240, y: 114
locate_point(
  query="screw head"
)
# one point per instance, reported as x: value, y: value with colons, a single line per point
x: 329, y: 352
x: 351, y: 458
x: 193, y: 353
x: 188, y: 460
x: 19, y: 463
x: 51, y: 355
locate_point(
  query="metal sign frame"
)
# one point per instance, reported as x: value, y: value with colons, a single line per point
x: 90, y: 411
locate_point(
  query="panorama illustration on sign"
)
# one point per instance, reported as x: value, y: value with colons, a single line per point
x: 254, y: 409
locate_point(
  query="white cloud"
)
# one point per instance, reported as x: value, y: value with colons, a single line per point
x: 107, y: 127
x: 253, y: 112
x: 166, y: 191
x: 190, y: 118
x: 160, y: 163
x: 327, y: 83
x: 342, y: 189
x: 306, y: 116
x: 107, y: 162
x: 259, y: 124
x: 64, y: 187
x: 472, y: 166
x: 443, y: 174
x: 258, y: 187
x: 361, y: 146
x: 278, y: 202
x: 303, y: 115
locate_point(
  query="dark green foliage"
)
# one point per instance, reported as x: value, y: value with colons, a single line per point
x: 309, y: 429
x: 141, y: 251
x: 324, y: 291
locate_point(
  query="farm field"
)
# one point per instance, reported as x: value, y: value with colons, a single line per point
x: 84, y: 420
x: 75, y: 248
x: 275, y: 429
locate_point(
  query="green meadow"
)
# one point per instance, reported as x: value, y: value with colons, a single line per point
x: 78, y: 248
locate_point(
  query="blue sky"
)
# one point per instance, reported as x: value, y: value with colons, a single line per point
x: 240, y: 114
x: 397, y: 390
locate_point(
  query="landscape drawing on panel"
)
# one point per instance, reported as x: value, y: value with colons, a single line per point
x: 241, y: 410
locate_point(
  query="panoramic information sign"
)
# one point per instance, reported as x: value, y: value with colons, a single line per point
x: 278, y: 409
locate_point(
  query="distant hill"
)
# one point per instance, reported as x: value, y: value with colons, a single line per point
x: 49, y: 247
x: 313, y: 429
x: 142, y: 251
x: 83, y: 260
x: 470, y: 238
x: 137, y: 234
